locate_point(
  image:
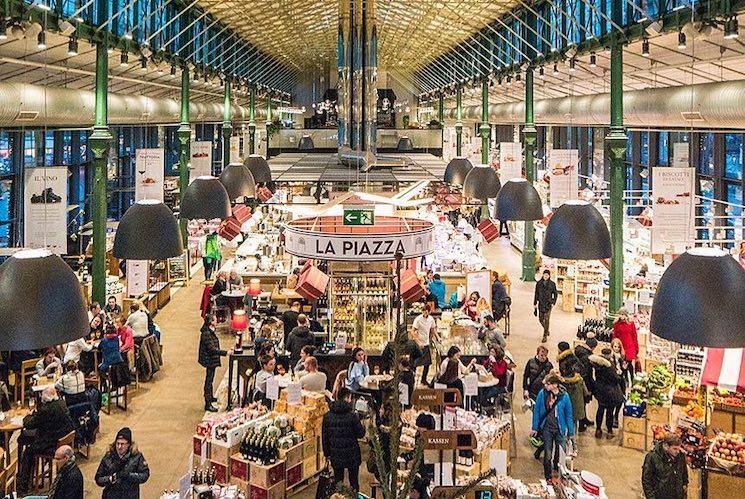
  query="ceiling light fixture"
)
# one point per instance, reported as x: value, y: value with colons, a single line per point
x: 259, y: 168
x: 645, y: 47
x: 41, y: 40
x: 540, y: 72
x: 731, y: 28
x: 205, y: 198
x: 593, y: 60
x: 577, y: 231
x: 456, y: 170
x: 124, y: 59
x: 572, y: 64
x: 518, y: 200
x: 72, y: 46
x: 556, y: 69
x: 128, y: 35
x: 143, y: 64
x: 481, y: 183
x: 147, y: 231
x: 681, y: 40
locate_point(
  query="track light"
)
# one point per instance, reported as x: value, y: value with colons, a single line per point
x: 572, y: 63
x: 681, y: 40
x: 128, y: 35
x: 731, y: 28
x: 556, y: 69
x: 143, y: 64
x: 540, y: 72
x: 41, y: 40
x: 499, y: 81
x: 518, y: 77
x: 72, y: 46
x: 3, y: 30
x: 593, y: 60
x: 509, y: 81
x: 124, y: 60
x: 173, y: 71
x: 645, y: 48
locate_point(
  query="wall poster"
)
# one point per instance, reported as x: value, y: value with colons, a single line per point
x: 201, y: 159
x: 510, y: 161
x: 673, y: 207
x: 235, y: 149
x: 149, y: 167
x: 562, y: 169
x: 681, y: 155
x: 45, y: 208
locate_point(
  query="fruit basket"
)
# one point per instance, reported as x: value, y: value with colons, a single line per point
x: 727, y: 451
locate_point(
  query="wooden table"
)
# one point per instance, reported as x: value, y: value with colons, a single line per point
x: 13, y: 421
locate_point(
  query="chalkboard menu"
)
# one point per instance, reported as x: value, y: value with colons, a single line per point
x: 177, y: 268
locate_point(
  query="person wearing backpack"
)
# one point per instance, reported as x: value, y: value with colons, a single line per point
x: 553, y: 421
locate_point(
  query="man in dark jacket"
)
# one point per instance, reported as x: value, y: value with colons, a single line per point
x: 298, y: 338
x: 122, y: 469
x: 340, y: 434
x: 544, y: 299
x: 69, y: 481
x: 664, y: 474
x: 41, y: 430
x: 584, y: 368
x: 289, y: 318
x: 499, y: 299
x: 535, y: 370
x: 209, y: 358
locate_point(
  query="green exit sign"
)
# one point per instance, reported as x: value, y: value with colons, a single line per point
x: 359, y: 216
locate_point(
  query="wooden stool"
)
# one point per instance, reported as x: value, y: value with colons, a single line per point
x: 41, y: 472
x: 113, y: 393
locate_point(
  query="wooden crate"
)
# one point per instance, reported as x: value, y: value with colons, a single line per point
x: 292, y: 456
x: 723, y: 485
x: 635, y: 441
x: 658, y: 414
x: 650, y: 364
x: 266, y: 477
x: 276, y: 491
x: 220, y: 452
x: 634, y: 425
x: 721, y: 420
x: 239, y: 467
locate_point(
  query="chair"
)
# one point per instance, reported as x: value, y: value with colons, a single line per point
x: 41, y: 461
x: 85, y: 421
x: 132, y: 356
x: 10, y: 474
x: 28, y: 369
x: 114, y: 392
x: 222, y: 312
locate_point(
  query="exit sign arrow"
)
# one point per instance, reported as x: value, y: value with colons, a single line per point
x: 359, y: 216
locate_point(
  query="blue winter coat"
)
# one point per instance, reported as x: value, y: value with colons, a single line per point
x: 563, y: 413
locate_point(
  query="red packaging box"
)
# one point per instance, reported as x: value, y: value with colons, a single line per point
x: 239, y: 467
x: 230, y: 228
x: 198, y: 442
x: 411, y: 289
x: 294, y: 475
x: 242, y: 213
x: 277, y: 491
x: 222, y: 474
x: 266, y: 476
x: 489, y: 230
x: 312, y: 283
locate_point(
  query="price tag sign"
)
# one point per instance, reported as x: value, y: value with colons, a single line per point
x: 403, y: 393
x: 294, y: 395
x: 272, y: 388
x: 471, y: 385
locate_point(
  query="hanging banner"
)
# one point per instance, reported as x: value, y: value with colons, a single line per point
x: 45, y: 208
x: 235, y: 149
x: 681, y: 155
x: 149, y: 166
x: 562, y: 169
x: 510, y: 160
x: 201, y: 159
x: 136, y: 277
x: 673, y: 209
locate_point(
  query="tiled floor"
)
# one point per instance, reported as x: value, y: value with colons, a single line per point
x: 163, y: 412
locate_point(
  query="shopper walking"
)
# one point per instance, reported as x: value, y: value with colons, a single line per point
x: 544, y: 299
x: 123, y: 468
x: 211, y: 255
x: 573, y: 383
x: 209, y: 358
x: 68, y: 484
x: 625, y: 330
x: 423, y: 330
x: 340, y: 433
x: 607, y: 391
x: 535, y: 370
x: 553, y: 421
x: 664, y: 474
x: 299, y: 337
x: 584, y: 367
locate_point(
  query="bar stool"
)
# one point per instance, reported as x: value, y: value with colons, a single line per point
x: 41, y: 461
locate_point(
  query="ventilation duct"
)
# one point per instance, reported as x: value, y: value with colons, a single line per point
x: 708, y: 105
x: 47, y: 106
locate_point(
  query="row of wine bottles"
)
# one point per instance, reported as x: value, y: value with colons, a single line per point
x: 201, y: 476
x: 262, y: 449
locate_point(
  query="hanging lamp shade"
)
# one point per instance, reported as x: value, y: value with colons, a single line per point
x: 518, y: 200
x: 405, y: 144
x: 206, y: 198
x: 456, y: 170
x: 306, y: 143
x: 238, y: 181
x: 41, y: 302
x: 147, y: 231
x: 481, y: 183
x: 577, y: 231
x: 259, y: 168
x: 700, y: 300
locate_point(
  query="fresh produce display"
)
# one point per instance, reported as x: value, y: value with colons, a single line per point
x: 735, y: 400
x: 694, y: 410
x: 728, y: 450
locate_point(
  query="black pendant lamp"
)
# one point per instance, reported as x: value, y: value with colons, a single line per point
x: 41, y: 302
x: 456, y: 171
x: 405, y: 145
x: 147, y: 231
x: 206, y: 198
x: 238, y: 181
x: 700, y: 300
x: 518, y: 200
x: 306, y: 143
x: 259, y: 168
x: 577, y: 231
x: 481, y: 183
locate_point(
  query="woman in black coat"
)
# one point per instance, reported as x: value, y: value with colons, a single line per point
x: 607, y: 389
x: 209, y: 358
x: 340, y: 436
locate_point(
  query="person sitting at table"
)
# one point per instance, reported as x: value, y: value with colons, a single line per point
x: 305, y: 352
x: 267, y: 371
x: 138, y: 321
x: 452, y: 369
x: 49, y: 363
x: 497, y: 366
x: 112, y: 308
x: 75, y: 348
x: 109, y: 348
x: 313, y: 380
x: 68, y: 484
x: 470, y: 306
x: 94, y: 310
x: 281, y: 368
x: 490, y: 333
x: 96, y: 327
x: 41, y: 430
x: 126, y: 337
x: 358, y: 369
x: 72, y: 384
x: 220, y: 285
x: 262, y: 337
x: 235, y: 281
x: 299, y: 337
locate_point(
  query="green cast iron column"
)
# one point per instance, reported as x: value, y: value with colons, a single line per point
x: 184, y: 137
x: 99, y: 142
x: 616, y: 142
x: 458, y: 123
x: 227, y: 125
x: 529, y: 138
x: 484, y: 128
x: 441, y: 109
x: 252, y: 121
x: 268, y: 109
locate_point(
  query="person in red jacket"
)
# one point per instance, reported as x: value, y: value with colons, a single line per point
x: 625, y: 330
x: 497, y: 366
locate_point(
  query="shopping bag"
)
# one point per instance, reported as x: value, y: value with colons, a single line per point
x: 326, y: 483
